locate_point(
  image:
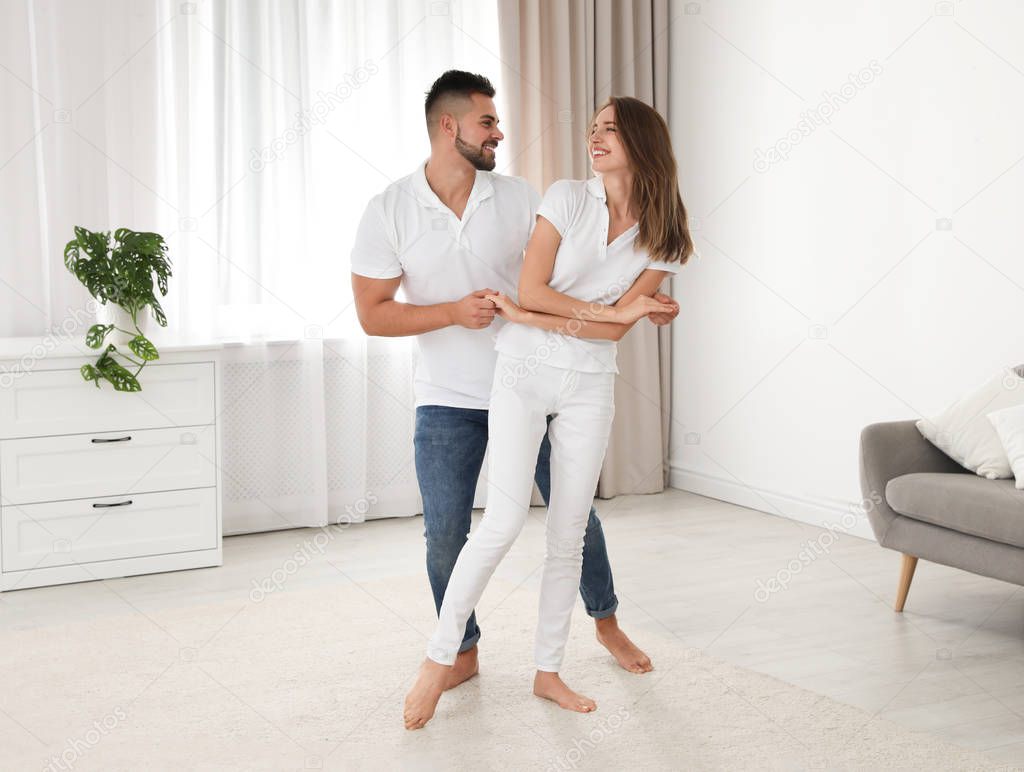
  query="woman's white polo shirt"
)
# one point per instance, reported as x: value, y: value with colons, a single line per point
x: 586, y: 268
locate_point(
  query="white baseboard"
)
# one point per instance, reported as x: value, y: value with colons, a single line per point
x: 819, y: 513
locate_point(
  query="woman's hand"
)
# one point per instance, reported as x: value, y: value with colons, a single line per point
x: 662, y: 319
x: 639, y: 308
x: 507, y: 310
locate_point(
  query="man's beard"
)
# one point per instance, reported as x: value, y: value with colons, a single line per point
x: 475, y: 155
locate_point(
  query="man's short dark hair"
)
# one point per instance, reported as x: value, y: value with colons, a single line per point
x: 455, y: 83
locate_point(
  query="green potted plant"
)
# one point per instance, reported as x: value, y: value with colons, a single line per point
x: 125, y: 279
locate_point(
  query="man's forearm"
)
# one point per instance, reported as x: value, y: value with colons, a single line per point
x: 391, y: 319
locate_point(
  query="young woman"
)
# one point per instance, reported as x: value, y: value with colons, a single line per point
x: 599, y: 251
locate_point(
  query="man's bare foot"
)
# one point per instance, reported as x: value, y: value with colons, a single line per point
x: 466, y: 666
x: 421, y: 701
x: 629, y: 656
x: 551, y: 687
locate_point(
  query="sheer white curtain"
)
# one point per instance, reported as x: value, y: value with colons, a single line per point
x: 250, y: 134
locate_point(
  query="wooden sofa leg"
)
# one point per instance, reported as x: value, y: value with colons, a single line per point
x: 906, y: 577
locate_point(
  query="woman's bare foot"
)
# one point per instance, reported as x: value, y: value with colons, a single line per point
x: 629, y: 656
x: 421, y: 701
x: 466, y: 666
x: 551, y: 687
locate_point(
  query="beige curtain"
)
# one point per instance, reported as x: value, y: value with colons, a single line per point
x: 561, y: 59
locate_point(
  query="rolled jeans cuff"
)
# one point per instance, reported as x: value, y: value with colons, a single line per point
x: 605, y: 613
x: 469, y: 643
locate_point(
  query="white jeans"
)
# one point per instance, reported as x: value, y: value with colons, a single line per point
x: 523, y: 395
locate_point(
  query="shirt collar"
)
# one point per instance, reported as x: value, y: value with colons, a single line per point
x: 595, y: 187
x: 482, y: 188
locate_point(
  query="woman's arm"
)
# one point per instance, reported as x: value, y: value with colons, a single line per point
x: 535, y: 294
x: 581, y: 327
x: 645, y: 286
x: 578, y: 328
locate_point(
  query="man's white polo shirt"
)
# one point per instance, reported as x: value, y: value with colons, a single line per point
x: 407, y: 231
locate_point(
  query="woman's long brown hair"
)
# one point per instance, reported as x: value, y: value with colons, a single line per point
x: 662, y: 225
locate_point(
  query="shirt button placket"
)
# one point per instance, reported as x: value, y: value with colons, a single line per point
x: 457, y: 231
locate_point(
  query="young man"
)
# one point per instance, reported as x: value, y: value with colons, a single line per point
x: 449, y: 234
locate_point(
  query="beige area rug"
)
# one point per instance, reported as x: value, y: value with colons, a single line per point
x: 313, y: 677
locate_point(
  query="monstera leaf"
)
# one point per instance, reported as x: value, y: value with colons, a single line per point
x: 119, y: 377
x: 143, y: 348
x: 90, y: 373
x: 94, y: 337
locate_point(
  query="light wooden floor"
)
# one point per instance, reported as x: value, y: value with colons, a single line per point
x: 952, y: 664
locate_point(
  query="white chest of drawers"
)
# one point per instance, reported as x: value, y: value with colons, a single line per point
x: 97, y: 484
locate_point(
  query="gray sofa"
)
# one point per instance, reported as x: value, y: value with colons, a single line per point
x: 923, y: 504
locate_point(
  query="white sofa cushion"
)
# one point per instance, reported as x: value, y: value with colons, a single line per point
x: 1009, y: 425
x: 964, y: 433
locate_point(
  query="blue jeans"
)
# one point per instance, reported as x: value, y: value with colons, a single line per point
x: 450, y: 443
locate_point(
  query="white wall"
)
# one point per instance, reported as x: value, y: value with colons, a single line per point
x: 874, y: 273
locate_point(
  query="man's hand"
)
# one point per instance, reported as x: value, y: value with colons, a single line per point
x: 474, y: 311
x: 508, y: 310
x: 662, y: 319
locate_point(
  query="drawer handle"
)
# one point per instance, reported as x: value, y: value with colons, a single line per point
x: 111, y: 439
x: 117, y: 504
